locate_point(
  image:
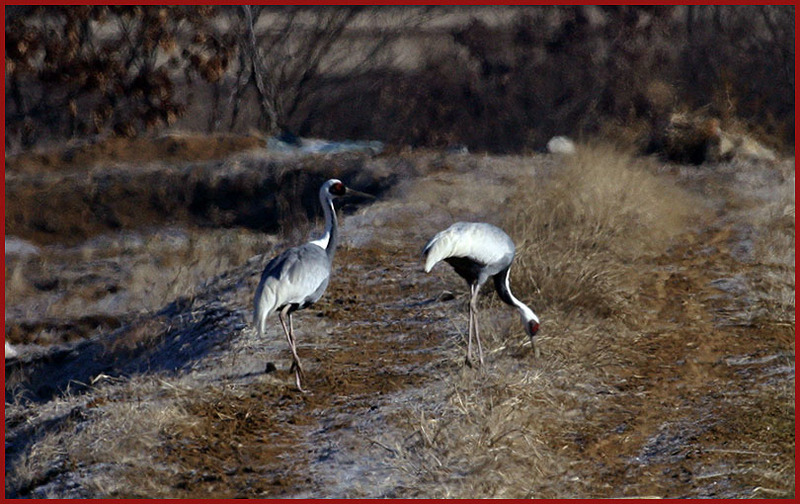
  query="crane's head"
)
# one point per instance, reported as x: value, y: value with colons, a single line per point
x: 334, y: 188
x: 532, y: 327
x: 531, y: 323
x: 529, y: 320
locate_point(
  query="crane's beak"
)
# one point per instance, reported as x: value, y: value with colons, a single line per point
x: 353, y: 192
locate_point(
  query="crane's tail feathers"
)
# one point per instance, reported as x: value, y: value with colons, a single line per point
x: 429, y: 259
x: 430, y: 262
x: 263, y: 307
x: 439, y: 247
x: 432, y: 253
x: 260, y: 321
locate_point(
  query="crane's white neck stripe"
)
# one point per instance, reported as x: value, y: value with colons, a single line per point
x: 331, y: 236
x: 526, y: 312
x: 321, y: 242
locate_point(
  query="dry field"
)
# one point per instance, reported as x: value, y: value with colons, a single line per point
x: 666, y: 294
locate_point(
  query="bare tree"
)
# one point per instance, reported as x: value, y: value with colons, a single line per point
x: 779, y: 21
x: 283, y: 53
x: 79, y: 70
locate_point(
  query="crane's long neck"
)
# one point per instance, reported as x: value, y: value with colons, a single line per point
x: 331, y: 236
x: 501, y: 283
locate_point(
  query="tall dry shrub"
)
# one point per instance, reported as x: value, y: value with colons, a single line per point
x: 580, y: 232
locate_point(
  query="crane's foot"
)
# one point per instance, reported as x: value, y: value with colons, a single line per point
x: 471, y: 363
x: 297, y: 382
x: 298, y: 374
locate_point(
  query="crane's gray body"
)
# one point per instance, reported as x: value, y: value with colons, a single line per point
x: 475, y: 250
x: 297, y: 277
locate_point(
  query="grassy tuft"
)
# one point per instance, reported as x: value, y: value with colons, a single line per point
x: 579, y: 232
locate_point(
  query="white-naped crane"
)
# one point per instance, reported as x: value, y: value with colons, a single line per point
x: 478, y: 251
x: 298, y: 277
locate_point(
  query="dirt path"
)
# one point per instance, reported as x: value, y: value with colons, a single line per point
x: 682, y: 421
x: 689, y: 421
x: 363, y: 350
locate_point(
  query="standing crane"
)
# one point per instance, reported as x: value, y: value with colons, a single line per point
x: 477, y: 251
x: 298, y: 277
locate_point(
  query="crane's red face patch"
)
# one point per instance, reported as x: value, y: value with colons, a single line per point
x: 337, y: 189
x: 533, y: 328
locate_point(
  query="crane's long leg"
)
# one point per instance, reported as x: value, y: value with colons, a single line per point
x: 473, y: 325
x: 474, y: 313
x: 471, y: 329
x: 296, y: 362
x: 298, y: 369
x: 478, y: 339
x: 289, y: 331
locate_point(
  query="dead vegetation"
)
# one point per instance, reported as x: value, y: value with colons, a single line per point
x: 667, y: 304
x: 580, y: 231
x: 493, y: 78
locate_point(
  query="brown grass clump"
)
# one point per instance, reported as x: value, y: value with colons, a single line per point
x: 579, y: 232
x: 490, y: 438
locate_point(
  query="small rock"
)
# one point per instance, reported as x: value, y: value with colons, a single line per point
x: 749, y: 148
x: 458, y: 149
x: 561, y: 145
x: 445, y: 296
x: 10, y: 351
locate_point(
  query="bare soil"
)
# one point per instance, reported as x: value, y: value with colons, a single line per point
x: 702, y: 407
x: 686, y: 413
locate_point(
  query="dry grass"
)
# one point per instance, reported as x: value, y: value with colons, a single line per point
x: 588, y: 230
x: 109, y: 442
x: 489, y: 440
x: 108, y: 437
x: 580, y: 232
x: 136, y: 274
x: 582, y: 236
x: 163, y: 273
x: 770, y: 213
